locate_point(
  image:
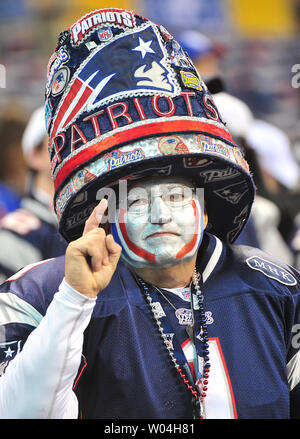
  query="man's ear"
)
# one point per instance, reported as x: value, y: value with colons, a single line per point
x: 37, y: 158
x: 33, y: 160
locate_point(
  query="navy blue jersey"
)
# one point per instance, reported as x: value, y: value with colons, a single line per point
x: 252, y: 309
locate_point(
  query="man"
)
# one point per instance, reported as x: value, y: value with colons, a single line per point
x: 160, y: 316
x: 30, y: 233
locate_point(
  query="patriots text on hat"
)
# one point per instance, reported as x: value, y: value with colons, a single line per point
x: 110, y: 17
x: 119, y: 114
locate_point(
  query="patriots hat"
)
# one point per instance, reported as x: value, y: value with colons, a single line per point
x: 124, y: 101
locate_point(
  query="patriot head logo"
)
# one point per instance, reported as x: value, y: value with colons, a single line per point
x: 127, y: 66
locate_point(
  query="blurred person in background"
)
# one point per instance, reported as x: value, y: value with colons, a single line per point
x: 12, y: 163
x: 272, y: 224
x: 206, y: 56
x: 280, y: 177
x: 29, y: 233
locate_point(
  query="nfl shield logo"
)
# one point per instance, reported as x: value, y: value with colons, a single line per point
x: 105, y: 34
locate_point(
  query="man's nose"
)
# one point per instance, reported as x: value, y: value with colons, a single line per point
x: 160, y: 212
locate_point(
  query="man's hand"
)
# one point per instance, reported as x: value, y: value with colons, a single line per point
x: 92, y: 259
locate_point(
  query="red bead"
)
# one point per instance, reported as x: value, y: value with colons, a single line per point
x: 186, y: 381
x: 205, y: 382
x: 204, y: 388
x: 203, y: 394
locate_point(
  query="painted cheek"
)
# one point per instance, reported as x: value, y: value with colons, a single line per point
x: 197, y: 236
x: 130, y: 247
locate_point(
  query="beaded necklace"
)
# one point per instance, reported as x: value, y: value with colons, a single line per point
x: 198, y: 389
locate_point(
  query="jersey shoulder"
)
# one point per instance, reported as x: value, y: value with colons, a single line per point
x: 36, y: 283
x: 262, y: 270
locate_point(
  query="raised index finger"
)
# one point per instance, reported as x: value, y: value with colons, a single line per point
x: 96, y: 216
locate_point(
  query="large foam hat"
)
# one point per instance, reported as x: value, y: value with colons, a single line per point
x: 124, y: 101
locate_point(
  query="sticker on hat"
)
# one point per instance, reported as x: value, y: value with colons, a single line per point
x: 105, y: 34
x: 208, y: 145
x: 172, y: 145
x: 178, y: 57
x: 110, y: 17
x: 55, y: 62
x: 48, y: 113
x: 190, y: 80
x: 117, y: 158
x: 60, y: 81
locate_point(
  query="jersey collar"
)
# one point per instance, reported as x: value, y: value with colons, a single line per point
x: 209, y: 255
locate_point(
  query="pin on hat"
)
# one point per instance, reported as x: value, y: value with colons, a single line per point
x: 123, y: 101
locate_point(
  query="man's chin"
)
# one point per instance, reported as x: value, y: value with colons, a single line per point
x: 161, y: 262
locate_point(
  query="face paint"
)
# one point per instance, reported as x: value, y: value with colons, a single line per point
x: 162, y: 225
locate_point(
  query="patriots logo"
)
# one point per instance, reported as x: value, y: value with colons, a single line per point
x: 59, y: 81
x: 233, y: 193
x: 129, y: 65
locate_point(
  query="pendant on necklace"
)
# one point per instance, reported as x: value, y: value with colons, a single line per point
x: 184, y: 316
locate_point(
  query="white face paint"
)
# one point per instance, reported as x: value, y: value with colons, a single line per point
x: 163, y: 225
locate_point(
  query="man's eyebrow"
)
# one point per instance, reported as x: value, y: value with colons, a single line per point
x: 137, y: 192
x: 175, y: 185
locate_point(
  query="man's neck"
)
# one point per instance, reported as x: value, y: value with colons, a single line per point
x: 176, y: 276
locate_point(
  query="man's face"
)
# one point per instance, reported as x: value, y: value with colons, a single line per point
x: 162, y: 225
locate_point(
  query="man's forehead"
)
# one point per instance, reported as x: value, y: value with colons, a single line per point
x: 153, y: 181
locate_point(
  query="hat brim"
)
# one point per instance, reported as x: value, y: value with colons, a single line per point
x: 216, y: 167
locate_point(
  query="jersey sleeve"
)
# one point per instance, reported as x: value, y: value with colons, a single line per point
x: 293, y: 351
x: 40, y: 355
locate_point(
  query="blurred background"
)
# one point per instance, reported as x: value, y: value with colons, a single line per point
x: 251, y: 46
x: 258, y: 43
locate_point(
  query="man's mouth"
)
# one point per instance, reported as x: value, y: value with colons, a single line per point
x: 161, y: 234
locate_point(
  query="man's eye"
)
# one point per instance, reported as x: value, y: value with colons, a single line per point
x: 176, y: 197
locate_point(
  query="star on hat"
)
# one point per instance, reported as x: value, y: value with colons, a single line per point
x: 144, y: 47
